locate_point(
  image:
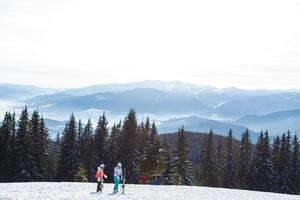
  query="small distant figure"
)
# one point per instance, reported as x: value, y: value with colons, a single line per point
x: 118, y: 176
x: 157, y: 180
x: 99, y: 176
x: 143, y: 179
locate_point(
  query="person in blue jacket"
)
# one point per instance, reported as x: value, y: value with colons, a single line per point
x: 118, y: 176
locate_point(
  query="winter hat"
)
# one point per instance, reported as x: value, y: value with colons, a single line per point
x: 102, y: 166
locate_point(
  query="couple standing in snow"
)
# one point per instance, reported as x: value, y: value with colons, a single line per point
x: 118, y: 176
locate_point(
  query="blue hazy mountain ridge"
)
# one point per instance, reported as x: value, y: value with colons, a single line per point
x: 226, y: 104
x: 142, y: 99
x: 276, y: 123
x: 259, y: 105
x: 209, y: 95
x: 174, y: 86
x: 164, y: 100
x: 42, y: 100
x: 15, y: 92
x: 203, y: 125
x: 54, y: 126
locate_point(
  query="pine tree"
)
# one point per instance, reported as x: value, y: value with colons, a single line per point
x: 285, y: 181
x: 80, y: 133
x: 147, y: 131
x: 112, y: 151
x: 208, y: 162
x: 155, y: 150
x: 184, y: 169
x: 256, y: 163
x: 219, y: 162
x: 171, y: 169
x: 229, y: 167
x: 23, y: 171
x: 13, y: 157
x: 86, y: 153
x: 295, y: 168
x: 100, y: 141
x: 263, y: 172
x: 275, y: 157
x: 244, y: 160
x: 129, y: 148
x: 57, y: 161
x: 6, y: 150
x: 81, y: 174
x: 166, y: 175
x: 119, y: 140
x: 80, y: 130
x: 69, y: 152
x: 36, y: 150
x: 143, y: 136
x: 151, y: 158
x: 163, y: 159
x: 48, y: 160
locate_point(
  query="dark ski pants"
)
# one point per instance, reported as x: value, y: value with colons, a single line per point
x: 99, y: 183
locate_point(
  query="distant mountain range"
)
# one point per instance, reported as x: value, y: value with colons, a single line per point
x: 55, y: 126
x: 276, y: 123
x: 172, y: 104
x: 14, y: 92
x: 198, y: 124
x: 174, y: 86
x: 142, y: 99
x: 260, y: 105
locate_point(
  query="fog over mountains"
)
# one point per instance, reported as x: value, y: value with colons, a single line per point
x: 170, y: 104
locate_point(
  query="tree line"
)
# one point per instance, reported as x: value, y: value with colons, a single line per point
x: 27, y: 153
x: 181, y: 158
x: 239, y: 164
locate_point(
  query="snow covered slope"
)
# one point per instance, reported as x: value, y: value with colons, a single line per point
x: 86, y: 191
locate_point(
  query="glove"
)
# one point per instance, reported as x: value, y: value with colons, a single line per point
x: 105, y: 176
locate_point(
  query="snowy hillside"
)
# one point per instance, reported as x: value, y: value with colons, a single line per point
x: 86, y: 191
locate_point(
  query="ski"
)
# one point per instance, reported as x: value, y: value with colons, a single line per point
x: 123, y: 184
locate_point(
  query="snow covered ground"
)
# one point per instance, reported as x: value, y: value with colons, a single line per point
x: 86, y: 191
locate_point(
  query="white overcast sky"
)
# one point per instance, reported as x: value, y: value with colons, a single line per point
x: 73, y: 43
